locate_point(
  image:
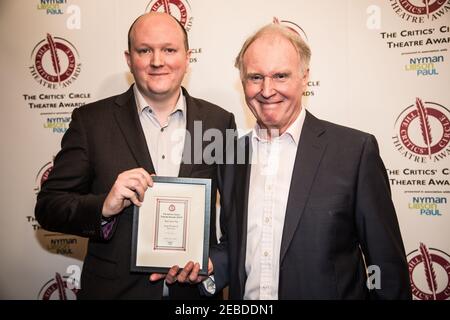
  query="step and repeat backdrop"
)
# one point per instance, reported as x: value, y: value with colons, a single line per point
x: 378, y: 66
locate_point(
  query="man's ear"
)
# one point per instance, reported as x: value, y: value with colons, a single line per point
x: 305, y: 78
x: 306, y: 75
x: 188, y: 56
x: 127, y: 58
x: 188, y: 61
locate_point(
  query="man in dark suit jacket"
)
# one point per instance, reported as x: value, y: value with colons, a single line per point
x: 105, y: 162
x: 311, y: 215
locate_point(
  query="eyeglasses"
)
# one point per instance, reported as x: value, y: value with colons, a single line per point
x: 256, y: 78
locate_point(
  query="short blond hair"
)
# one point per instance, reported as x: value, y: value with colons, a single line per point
x: 303, y: 50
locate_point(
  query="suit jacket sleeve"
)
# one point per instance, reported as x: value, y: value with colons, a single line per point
x: 65, y: 202
x: 219, y: 253
x: 219, y: 258
x: 378, y: 228
x: 225, y: 173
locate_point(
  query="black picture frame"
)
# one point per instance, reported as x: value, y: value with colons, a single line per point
x: 139, y: 249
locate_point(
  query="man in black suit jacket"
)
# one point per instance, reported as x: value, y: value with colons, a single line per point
x: 105, y: 163
x: 311, y: 214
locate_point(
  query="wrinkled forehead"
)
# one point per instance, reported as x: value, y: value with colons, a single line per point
x: 270, y: 52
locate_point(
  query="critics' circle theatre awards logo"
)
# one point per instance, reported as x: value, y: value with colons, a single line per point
x: 55, y: 63
x: 42, y: 175
x: 59, y: 288
x: 180, y: 9
x: 292, y: 26
x: 429, y: 271
x: 420, y: 11
x: 422, y: 132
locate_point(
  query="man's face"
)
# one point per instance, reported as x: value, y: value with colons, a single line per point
x: 273, y: 82
x: 158, y: 58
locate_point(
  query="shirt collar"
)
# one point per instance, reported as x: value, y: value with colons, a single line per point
x: 142, y: 104
x: 293, y: 131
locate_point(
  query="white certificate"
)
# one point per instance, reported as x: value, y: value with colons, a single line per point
x: 172, y: 225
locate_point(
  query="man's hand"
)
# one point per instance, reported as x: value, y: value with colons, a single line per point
x: 171, y: 276
x: 189, y: 274
x: 130, y: 187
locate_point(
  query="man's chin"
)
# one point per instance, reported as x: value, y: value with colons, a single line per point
x: 159, y: 91
x: 268, y: 122
x: 269, y: 117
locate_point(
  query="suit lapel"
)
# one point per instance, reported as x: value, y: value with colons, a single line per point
x: 128, y: 120
x: 311, y: 148
x: 192, y: 148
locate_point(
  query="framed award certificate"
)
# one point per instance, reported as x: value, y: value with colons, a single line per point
x: 172, y: 225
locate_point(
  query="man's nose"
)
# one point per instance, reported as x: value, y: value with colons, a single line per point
x: 267, y: 87
x: 157, y: 59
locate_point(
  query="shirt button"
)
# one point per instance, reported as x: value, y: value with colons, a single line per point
x: 267, y: 220
x: 162, y: 129
x: 266, y: 253
x: 163, y: 156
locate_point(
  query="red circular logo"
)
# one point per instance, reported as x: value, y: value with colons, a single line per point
x: 54, y: 63
x: 421, y: 7
x: 180, y: 9
x: 424, y: 128
x: 57, y: 289
x: 42, y: 175
x: 429, y: 271
x: 45, y: 175
x: 171, y: 207
x: 292, y: 26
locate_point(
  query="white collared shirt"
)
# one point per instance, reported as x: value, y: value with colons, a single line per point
x: 165, y: 142
x: 270, y: 178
